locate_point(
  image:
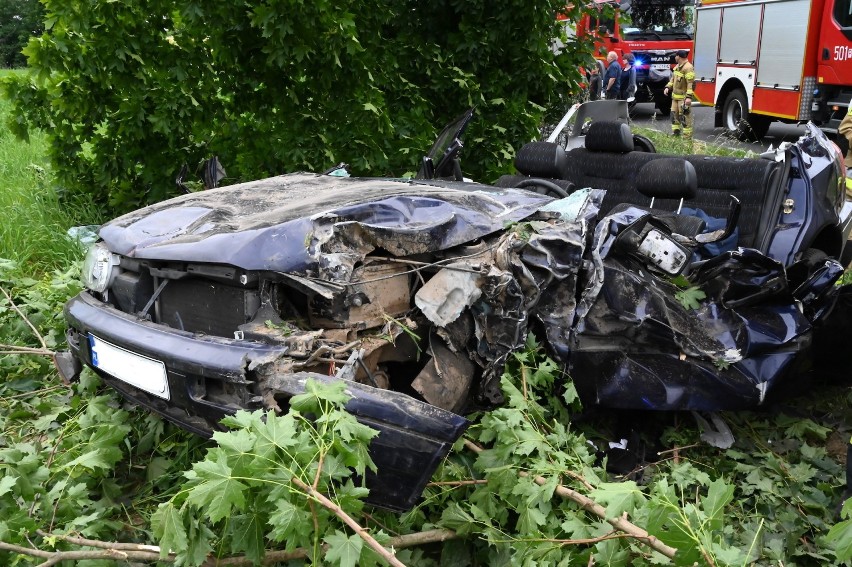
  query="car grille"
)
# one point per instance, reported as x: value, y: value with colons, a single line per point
x: 203, y: 306
x: 197, y: 305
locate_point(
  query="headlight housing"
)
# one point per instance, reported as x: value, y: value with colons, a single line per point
x: 99, y: 268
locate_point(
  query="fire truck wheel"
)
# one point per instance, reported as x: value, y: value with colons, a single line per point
x: 739, y: 123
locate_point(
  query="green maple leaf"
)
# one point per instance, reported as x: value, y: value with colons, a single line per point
x: 309, y: 402
x: 841, y: 535
x: 618, y: 497
x: 458, y: 519
x: 349, y: 428
x: 345, y: 551
x: 247, y: 531
x: 238, y: 441
x: 530, y: 519
x: 719, y: 494
x: 243, y: 420
x: 168, y: 529
x: 7, y: 483
x: 690, y: 298
x: 94, y: 459
x: 198, y: 544
x: 277, y: 432
x: 288, y: 521
x: 218, y: 492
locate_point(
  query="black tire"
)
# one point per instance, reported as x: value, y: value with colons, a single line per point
x: 739, y: 122
x: 643, y: 144
x: 759, y: 125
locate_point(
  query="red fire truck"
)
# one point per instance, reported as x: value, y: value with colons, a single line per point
x: 652, y: 30
x: 764, y: 60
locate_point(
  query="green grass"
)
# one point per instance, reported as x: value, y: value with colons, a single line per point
x: 35, y: 219
x: 668, y: 144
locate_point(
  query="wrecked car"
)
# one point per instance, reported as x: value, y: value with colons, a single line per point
x: 416, y: 291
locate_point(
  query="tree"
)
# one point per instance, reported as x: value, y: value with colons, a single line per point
x: 19, y: 20
x: 129, y: 91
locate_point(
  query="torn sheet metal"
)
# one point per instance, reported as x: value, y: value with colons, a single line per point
x: 445, y: 380
x: 443, y: 298
x: 281, y: 223
x: 714, y: 432
x: 634, y: 345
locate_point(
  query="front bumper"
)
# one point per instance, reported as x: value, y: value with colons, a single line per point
x: 211, y: 377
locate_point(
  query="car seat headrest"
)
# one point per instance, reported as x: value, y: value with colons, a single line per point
x: 667, y: 178
x: 605, y: 136
x: 542, y: 159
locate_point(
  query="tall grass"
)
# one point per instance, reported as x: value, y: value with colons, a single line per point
x: 718, y: 146
x: 35, y: 220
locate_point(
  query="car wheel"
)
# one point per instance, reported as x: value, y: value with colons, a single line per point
x: 643, y: 144
x: 738, y: 122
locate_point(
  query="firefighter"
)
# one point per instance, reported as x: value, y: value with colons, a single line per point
x: 680, y: 85
x: 845, y: 130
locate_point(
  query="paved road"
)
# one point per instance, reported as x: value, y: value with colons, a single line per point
x: 644, y: 115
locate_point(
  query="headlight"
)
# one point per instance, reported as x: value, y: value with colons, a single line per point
x: 99, y: 268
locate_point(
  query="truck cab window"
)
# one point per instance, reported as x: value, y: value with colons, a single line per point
x: 605, y: 26
x: 843, y: 13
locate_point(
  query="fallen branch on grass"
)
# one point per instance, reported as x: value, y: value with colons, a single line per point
x: 118, y: 551
x: 16, y: 349
x: 385, y: 554
x: 620, y: 523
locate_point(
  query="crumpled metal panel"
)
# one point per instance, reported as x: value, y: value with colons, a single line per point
x: 284, y: 223
x: 635, y: 346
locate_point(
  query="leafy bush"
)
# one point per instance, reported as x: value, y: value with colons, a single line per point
x: 19, y: 21
x: 130, y: 91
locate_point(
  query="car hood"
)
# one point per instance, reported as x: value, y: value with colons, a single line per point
x: 269, y: 224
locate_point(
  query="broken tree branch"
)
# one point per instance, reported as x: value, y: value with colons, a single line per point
x: 563, y: 542
x: 55, y: 557
x: 27, y: 321
x: 620, y: 523
x: 457, y: 482
x: 15, y: 349
x: 349, y: 521
x: 123, y: 552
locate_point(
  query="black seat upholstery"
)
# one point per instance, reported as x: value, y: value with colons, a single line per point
x: 608, y: 162
x: 669, y: 178
x: 542, y: 160
x: 607, y: 136
x: 755, y: 182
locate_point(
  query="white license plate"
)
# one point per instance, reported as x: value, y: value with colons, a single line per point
x: 662, y: 66
x: 137, y: 370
